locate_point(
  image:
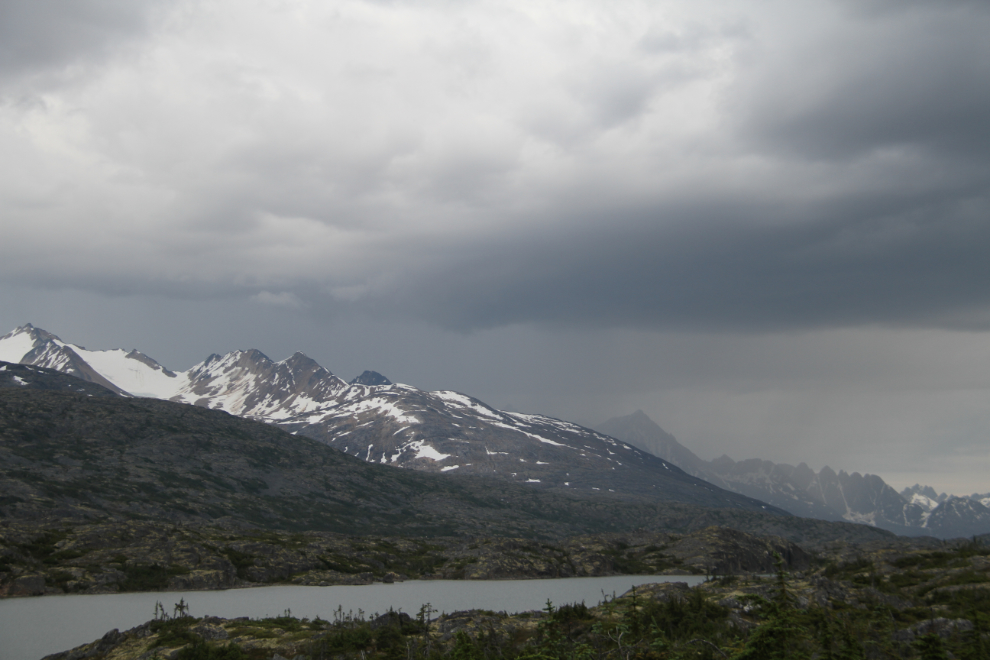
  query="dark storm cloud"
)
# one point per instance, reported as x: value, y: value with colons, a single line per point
x: 915, y: 77
x: 723, y: 166
x: 901, y: 262
x: 52, y: 33
x: 885, y: 116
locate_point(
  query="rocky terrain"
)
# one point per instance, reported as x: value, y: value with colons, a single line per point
x: 116, y: 557
x: 891, y: 603
x: 826, y: 494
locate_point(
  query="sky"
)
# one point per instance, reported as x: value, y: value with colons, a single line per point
x: 764, y: 223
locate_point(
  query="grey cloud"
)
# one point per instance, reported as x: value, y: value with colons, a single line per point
x: 450, y: 207
x: 38, y: 34
x: 731, y: 269
x: 918, y: 80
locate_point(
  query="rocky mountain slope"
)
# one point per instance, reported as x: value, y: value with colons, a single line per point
x: 383, y: 422
x: 66, y: 456
x: 69, y: 457
x: 826, y: 495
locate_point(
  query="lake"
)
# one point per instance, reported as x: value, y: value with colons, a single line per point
x: 31, y: 628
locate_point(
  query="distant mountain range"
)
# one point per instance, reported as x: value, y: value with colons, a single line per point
x: 826, y: 495
x: 73, y: 452
x: 448, y: 432
x: 387, y: 423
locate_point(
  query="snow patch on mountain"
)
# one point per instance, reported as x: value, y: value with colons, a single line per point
x: 424, y: 450
x: 15, y: 345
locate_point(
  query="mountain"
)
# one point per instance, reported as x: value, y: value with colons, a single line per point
x: 825, y: 495
x: 958, y: 516
x: 640, y: 431
x: 371, y: 378
x: 22, y: 376
x: 384, y: 422
x: 30, y: 345
x: 70, y: 458
x: 924, y: 496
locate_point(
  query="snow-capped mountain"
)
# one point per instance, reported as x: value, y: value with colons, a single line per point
x: 30, y: 345
x: 925, y: 497
x: 249, y: 384
x: 244, y: 383
x: 958, y: 516
x: 826, y: 494
x: 385, y: 422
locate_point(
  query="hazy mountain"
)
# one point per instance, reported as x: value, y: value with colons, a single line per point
x: 640, y: 431
x: 390, y: 423
x: 958, y: 516
x: 924, y: 496
x: 825, y: 494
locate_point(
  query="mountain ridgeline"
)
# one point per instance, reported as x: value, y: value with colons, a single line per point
x: 389, y: 423
x: 825, y: 495
x: 448, y: 432
x: 72, y: 456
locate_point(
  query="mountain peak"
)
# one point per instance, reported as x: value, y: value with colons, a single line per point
x: 301, y: 360
x: 371, y: 378
x: 643, y: 433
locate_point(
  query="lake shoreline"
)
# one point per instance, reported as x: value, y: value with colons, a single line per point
x: 25, y: 622
x: 373, y: 582
x: 131, y: 557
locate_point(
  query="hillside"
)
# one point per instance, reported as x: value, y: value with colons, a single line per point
x: 68, y: 456
x: 71, y: 457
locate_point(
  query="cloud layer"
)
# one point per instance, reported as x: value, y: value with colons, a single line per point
x: 576, y: 208
x: 689, y: 165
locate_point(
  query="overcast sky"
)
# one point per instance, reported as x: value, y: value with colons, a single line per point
x: 765, y: 223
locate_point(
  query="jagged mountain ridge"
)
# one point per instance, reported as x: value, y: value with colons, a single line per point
x: 390, y: 423
x: 826, y: 495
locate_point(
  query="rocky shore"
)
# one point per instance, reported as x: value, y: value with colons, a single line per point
x: 890, y: 604
x: 133, y: 556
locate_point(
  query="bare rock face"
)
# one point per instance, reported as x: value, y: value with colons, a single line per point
x: 25, y: 585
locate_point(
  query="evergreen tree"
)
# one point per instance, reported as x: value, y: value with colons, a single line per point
x: 781, y: 636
